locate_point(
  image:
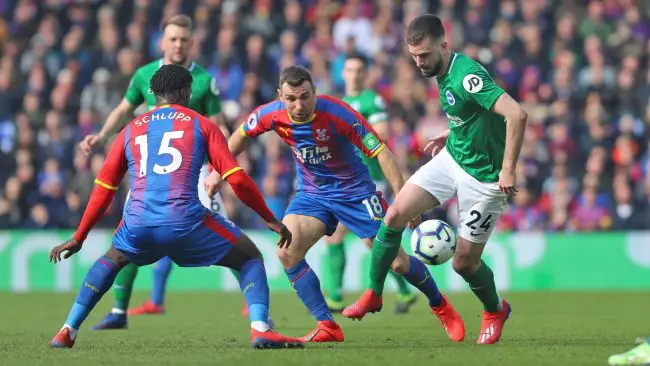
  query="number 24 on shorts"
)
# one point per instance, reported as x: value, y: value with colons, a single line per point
x: 374, y: 206
x: 485, y: 225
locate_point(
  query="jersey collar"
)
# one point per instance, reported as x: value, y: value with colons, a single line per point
x: 451, y: 64
x: 311, y: 118
x: 189, y: 68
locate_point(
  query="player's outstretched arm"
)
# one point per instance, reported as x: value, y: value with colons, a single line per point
x: 516, y: 118
x: 389, y: 166
x: 247, y: 191
x: 115, y: 121
x: 391, y: 171
x: 244, y: 187
x: 107, y: 181
x: 238, y: 142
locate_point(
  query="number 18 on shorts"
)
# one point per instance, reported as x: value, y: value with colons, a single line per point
x: 361, y: 215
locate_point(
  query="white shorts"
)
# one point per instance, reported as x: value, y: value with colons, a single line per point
x: 479, y: 204
x: 215, y: 204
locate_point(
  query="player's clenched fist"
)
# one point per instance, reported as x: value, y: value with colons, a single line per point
x: 70, y: 247
x: 89, y: 142
x: 281, y: 229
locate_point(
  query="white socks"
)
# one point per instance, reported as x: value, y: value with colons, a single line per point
x: 73, y: 332
x: 117, y: 311
x: 260, y: 326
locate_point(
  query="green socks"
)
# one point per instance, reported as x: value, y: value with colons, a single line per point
x: 336, y: 254
x: 384, y: 250
x: 483, y: 286
x: 402, y: 285
x: 123, y: 286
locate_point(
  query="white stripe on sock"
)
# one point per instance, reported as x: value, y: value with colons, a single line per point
x: 260, y: 326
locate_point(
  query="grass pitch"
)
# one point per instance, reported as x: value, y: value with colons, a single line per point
x: 206, y: 328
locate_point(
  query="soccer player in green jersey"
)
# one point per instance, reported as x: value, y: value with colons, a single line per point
x: 474, y: 160
x: 371, y: 106
x: 175, y: 44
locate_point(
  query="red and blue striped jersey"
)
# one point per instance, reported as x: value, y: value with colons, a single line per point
x: 163, y: 151
x: 324, y: 147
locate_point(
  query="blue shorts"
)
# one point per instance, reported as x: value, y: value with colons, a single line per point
x: 361, y: 215
x: 201, y: 244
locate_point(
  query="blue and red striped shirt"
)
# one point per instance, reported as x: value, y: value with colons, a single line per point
x: 324, y: 146
x: 163, y: 151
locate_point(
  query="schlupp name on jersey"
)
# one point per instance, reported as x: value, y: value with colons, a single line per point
x: 158, y: 116
x: 312, y: 154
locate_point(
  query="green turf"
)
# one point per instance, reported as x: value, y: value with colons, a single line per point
x: 544, y: 329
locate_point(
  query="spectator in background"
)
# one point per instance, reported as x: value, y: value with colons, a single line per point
x: 352, y: 25
x: 99, y: 96
x: 582, y: 72
x: 226, y: 67
x: 524, y: 214
x: 627, y: 212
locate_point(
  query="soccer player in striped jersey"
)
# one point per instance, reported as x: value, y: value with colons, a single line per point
x: 163, y: 151
x: 175, y: 44
x: 334, y: 186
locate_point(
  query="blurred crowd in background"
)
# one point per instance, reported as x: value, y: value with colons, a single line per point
x: 581, y: 69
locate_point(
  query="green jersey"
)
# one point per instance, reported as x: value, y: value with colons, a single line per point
x: 372, y: 107
x: 205, y: 95
x: 478, y: 136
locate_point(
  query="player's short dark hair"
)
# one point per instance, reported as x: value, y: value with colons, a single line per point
x: 170, y: 79
x: 360, y: 57
x: 179, y: 20
x: 295, y: 75
x: 424, y: 26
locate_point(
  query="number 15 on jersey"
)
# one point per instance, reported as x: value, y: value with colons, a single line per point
x: 165, y: 148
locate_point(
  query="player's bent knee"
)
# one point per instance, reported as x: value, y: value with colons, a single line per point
x: 116, y: 257
x: 289, y: 258
x: 394, y: 218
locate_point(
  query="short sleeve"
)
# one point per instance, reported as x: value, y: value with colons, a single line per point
x: 258, y: 122
x: 133, y: 93
x: 360, y: 133
x: 480, y: 88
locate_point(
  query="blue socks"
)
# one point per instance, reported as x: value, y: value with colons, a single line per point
x: 254, y: 287
x: 305, y: 282
x: 161, y: 271
x: 98, y: 280
x: 420, y: 277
